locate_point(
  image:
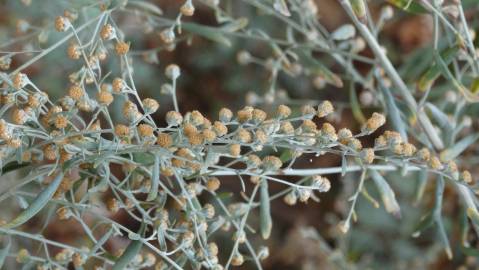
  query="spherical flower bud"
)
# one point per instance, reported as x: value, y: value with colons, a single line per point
x: 243, y: 57
x: 373, y: 123
x: 118, y: 85
x: 253, y: 161
x: 258, y: 115
x: 189, y: 129
x: 367, y: 155
x: 122, y: 47
x: 174, y: 118
x: 172, y: 71
x: 150, y: 105
x: 164, y: 140
x: 76, y: 92
x: 197, y: 118
x: 209, y: 135
x: 187, y: 9
x: 145, y: 130
x: 50, y: 152
x: 225, y: 115
x: 322, y: 184
x: 237, y: 259
x: 20, y: 80
x: 212, y: 184
x: 195, y: 138
x: 220, y: 129
x: 308, y: 126
x: 122, y: 130
x: 245, y: 114
x: 325, y: 108
x: 271, y: 163
x: 355, y: 144
x: 435, y: 163
x: 104, y: 97
x: 243, y: 135
x: 167, y: 36
x: 308, y: 110
x: 304, y: 195
x: 112, y: 205
x: 235, y: 150
x: 74, y: 51
x: 283, y: 111
x: 209, y: 210
x: 291, y: 198
x: 409, y: 149
x: 107, y: 32
x: 61, y: 24
x: 329, y: 132
x: 424, y: 154
x: 380, y: 142
x: 61, y: 121
x: 344, y: 135
x: 130, y: 111
x: 19, y: 116
x: 286, y: 127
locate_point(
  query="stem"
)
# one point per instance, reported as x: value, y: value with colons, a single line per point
x: 392, y: 73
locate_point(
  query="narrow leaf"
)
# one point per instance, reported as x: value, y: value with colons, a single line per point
x: 319, y: 69
x: 266, y: 222
x: 355, y: 107
x: 387, y: 194
x: 431, y: 75
x: 235, y: 25
x: 459, y: 147
x: 207, y: 32
x: 40, y: 201
x: 394, y: 114
x: 155, y: 179
x: 130, y: 252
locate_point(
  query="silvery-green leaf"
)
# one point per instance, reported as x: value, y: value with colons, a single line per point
x: 235, y: 25
x: 393, y: 112
x: 387, y: 194
x: 130, y: 252
x: 155, y: 179
x: 37, y: 205
x: 459, y: 147
x: 266, y: 222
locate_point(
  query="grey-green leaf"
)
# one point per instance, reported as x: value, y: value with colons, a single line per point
x: 130, y: 252
x: 459, y: 147
x: 387, y: 194
x: 155, y: 179
x: 40, y: 201
x: 393, y: 112
x: 266, y: 222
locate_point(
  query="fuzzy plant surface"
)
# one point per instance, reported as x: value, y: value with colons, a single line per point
x: 182, y: 134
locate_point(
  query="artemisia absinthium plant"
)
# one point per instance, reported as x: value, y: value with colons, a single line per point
x: 84, y: 164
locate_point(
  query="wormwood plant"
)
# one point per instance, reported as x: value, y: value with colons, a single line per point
x: 100, y: 147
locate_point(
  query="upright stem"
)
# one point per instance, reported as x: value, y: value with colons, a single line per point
x: 394, y: 76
